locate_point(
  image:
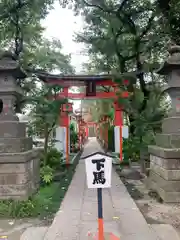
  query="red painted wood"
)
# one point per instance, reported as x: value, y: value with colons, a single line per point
x: 102, y: 95
x: 72, y: 83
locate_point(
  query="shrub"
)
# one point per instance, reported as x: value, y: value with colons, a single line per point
x: 46, y: 174
x: 54, y: 158
x: 130, y: 149
x: 74, y: 138
x: 111, y: 146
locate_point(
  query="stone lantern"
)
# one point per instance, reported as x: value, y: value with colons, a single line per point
x: 164, y: 174
x: 19, y: 164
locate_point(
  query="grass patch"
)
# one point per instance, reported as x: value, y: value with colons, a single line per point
x: 43, y: 204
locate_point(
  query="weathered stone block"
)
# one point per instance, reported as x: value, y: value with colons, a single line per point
x: 171, y: 175
x: 171, y: 125
x: 164, y: 152
x: 13, y: 168
x: 19, y: 157
x: 14, y: 178
x: 20, y: 180
x: 166, y: 185
x: 166, y: 163
x: 168, y: 140
x: 12, y: 129
x: 13, y: 145
x: 22, y: 190
x: 168, y: 197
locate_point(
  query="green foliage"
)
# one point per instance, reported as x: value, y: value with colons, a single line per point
x: 45, y: 111
x: 170, y: 9
x: 54, y: 158
x: 72, y: 127
x: 30, y: 13
x: 46, y: 174
x: 43, y: 204
x: 131, y: 149
x: 111, y: 145
x: 47, y: 55
x: 33, y: 207
x: 74, y: 137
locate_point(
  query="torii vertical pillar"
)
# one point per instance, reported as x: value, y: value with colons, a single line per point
x: 118, y: 123
x: 87, y: 131
x: 62, y: 132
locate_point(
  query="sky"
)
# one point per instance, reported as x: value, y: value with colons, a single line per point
x: 62, y: 24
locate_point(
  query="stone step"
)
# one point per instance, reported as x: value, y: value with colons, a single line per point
x: 165, y: 231
x: 36, y: 233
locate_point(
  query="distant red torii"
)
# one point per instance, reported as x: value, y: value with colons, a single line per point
x: 90, y: 81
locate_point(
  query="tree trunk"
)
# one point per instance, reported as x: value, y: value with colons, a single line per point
x: 46, y: 138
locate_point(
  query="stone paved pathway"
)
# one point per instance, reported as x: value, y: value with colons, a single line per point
x: 78, y: 213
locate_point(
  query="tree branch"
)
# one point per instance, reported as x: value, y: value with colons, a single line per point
x: 12, y: 10
x: 96, y: 6
x: 148, y: 26
x: 122, y: 5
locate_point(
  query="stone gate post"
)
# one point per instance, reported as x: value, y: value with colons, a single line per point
x: 165, y: 156
x: 19, y: 163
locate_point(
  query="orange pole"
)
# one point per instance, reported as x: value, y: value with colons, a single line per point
x: 100, y: 215
x: 101, y: 229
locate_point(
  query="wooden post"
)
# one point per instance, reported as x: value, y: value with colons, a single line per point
x: 65, y: 91
x: 118, y: 121
x: 100, y: 215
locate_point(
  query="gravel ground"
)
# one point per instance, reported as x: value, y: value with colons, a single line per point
x: 153, y: 209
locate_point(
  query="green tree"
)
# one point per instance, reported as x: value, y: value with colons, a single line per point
x: 45, y: 112
x: 21, y: 22
x: 170, y: 10
x: 127, y: 39
x: 123, y: 38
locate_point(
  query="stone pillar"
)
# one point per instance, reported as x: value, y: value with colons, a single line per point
x: 19, y: 164
x: 164, y: 174
x: 62, y: 140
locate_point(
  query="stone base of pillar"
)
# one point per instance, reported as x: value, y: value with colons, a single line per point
x: 19, y: 163
x: 164, y: 176
x: 19, y: 174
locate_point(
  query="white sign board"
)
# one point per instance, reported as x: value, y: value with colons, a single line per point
x: 98, y: 170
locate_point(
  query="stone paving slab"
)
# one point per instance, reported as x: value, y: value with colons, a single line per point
x: 36, y: 233
x: 165, y: 231
x: 78, y: 212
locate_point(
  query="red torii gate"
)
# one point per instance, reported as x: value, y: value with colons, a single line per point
x: 90, y: 81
